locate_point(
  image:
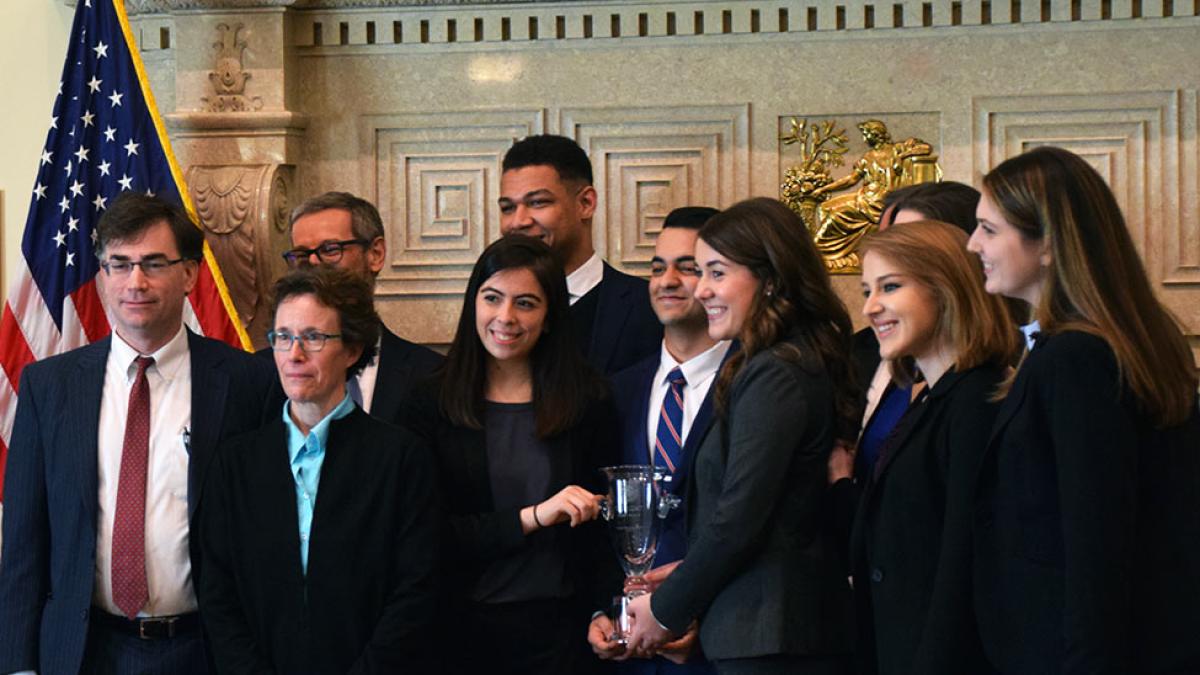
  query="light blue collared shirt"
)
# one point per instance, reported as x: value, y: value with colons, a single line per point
x: 306, y: 454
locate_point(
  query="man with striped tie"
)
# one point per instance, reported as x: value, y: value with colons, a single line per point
x: 665, y: 407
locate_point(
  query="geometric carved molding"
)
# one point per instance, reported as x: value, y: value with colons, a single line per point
x: 1143, y: 143
x: 435, y: 178
x: 649, y: 160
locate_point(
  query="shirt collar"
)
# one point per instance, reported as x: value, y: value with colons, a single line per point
x: 1029, y: 329
x: 698, y: 368
x: 168, y: 360
x: 319, y: 434
x: 585, y: 278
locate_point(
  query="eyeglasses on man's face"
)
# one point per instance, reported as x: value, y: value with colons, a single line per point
x: 155, y: 266
x: 328, y: 252
x: 310, y: 341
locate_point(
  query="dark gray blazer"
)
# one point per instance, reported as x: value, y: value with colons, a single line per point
x: 48, y: 564
x: 760, y: 572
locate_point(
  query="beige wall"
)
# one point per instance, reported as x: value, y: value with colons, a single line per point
x: 33, y: 42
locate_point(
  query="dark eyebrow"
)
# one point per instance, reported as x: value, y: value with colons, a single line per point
x: 486, y: 289
x: 710, y: 263
x: 657, y: 259
x: 529, y: 296
x: 539, y: 192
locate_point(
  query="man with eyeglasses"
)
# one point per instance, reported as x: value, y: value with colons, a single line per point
x: 341, y: 230
x: 546, y: 192
x: 109, y: 452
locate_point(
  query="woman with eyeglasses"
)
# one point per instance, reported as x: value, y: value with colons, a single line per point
x: 1087, y: 519
x: 519, y: 426
x: 318, y: 533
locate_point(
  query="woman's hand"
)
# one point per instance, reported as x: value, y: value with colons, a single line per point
x: 841, y: 462
x: 644, y: 632
x: 572, y: 505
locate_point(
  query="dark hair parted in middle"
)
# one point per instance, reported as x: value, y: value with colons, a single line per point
x: 947, y: 201
x: 768, y: 238
x: 133, y: 213
x: 563, y: 383
x: 973, y: 323
x: 560, y: 152
x: 345, y: 293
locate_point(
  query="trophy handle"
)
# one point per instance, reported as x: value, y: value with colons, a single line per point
x: 666, y: 502
x: 606, y: 508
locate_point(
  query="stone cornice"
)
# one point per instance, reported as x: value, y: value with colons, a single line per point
x: 136, y: 7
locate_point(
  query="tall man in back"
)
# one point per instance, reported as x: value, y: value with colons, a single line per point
x: 664, y: 404
x: 109, y: 451
x: 546, y: 191
x: 345, y: 231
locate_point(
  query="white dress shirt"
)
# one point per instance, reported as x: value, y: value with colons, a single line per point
x: 585, y: 278
x: 700, y: 371
x: 1029, y: 329
x: 168, y: 568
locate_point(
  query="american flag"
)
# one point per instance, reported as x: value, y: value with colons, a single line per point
x: 105, y: 137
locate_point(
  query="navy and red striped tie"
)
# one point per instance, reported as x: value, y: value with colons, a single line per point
x: 668, y: 442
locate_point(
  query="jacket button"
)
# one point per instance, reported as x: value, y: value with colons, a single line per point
x: 877, y: 575
x: 84, y: 614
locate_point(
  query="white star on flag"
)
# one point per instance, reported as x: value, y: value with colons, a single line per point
x: 104, y: 168
x: 99, y: 202
x: 54, y: 122
x: 76, y: 188
x: 72, y: 224
x: 115, y: 98
x: 70, y: 260
x: 101, y: 50
x: 65, y: 204
x: 81, y: 154
x: 110, y: 134
x: 60, y: 239
x: 94, y: 84
x: 39, y: 190
x: 126, y: 182
x: 87, y: 119
x: 47, y: 156
x: 131, y: 148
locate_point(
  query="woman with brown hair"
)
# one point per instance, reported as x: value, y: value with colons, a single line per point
x: 761, y: 572
x: 1087, y: 524
x: 911, y: 546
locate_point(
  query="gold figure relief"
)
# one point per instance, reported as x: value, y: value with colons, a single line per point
x: 840, y: 212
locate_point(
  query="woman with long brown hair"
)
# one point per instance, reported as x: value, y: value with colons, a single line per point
x: 761, y: 572
x: 911, y: 546
x: 1087, y: 526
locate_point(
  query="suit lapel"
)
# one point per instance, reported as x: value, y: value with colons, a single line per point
x: 393, y: 368
x: 210, y: 386
x: 611, y: 312
x: 83, y: 417
x: 641, y: 442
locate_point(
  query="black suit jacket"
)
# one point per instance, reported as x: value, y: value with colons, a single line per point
x: 402, y: 365
x: 761, y: 571
x: 477, y: 533
x: 47, y: 568
x: 626, y: 329
x: 1087, y: 544
x: 367, y: 601
x: 912, y: 535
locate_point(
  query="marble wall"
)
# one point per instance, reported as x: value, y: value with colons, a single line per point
x: 681, y: 102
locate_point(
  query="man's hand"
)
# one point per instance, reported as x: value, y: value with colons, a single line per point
x: 599, y: 632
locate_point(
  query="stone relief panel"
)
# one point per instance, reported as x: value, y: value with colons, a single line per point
x: 244, y: 212
x: 648, y: 161
x: 436, y: 179
x: 1143, y: 143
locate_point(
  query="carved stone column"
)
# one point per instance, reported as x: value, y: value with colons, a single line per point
x: 237, y: 139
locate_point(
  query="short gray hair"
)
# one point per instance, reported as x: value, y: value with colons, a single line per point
x: 365, y: 222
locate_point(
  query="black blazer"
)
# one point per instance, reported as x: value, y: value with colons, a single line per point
x: 477, y: 534
x: 366, y: 604
x: 761, y: 572
x: 48, y: 564
x: 1087, y: 524
x: 912, y: 535
x: 626, y: 329
x: 402, y: 365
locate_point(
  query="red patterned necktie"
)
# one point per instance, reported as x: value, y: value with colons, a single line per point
x: 130, y: 590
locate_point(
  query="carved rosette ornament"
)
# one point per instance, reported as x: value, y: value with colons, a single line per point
x: 241, y: 209
x: 838, y: 222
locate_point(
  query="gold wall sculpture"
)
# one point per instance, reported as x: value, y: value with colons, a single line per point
x: 838, y: 222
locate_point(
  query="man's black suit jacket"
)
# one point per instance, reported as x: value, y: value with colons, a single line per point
x: 367, y: 601
x: 761, y: 572
x: 625, y: 329
x: 1087, y: 524
x: 47, y: 568
x: 912, y: 535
